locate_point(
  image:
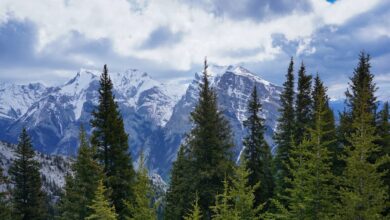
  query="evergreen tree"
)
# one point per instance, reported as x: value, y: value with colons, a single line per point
x: 361, y: 85
x: 112, y: 147
x: 303, y: 105
x: 69, y: 206
x: 344, y: 128
x: 223, y: 208
x: 257, y: 152
x: 313, y: 191
x: 383, y: 130
x: 142, y: 207
x: 195, y: 213
x: 210, y: 147
x: 285, y: 135
x: 237, y: 200
x: 178, y: 194
x: 27, y: 195
x: 363, y: 193
x: 362, y: 88
x: 243, y: 194
x: 5, y: 211
x: 80, y: 188
x: 101, y: 209
x: 329, y: 135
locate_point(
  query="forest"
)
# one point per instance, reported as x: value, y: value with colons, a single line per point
x: 323, y: 168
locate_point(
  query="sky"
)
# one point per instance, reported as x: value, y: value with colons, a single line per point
x: 50, y: 40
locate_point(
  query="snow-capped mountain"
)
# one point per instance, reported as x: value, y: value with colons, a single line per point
x: 156, y: 115
x: 233, y: 85
x: 54, y: 117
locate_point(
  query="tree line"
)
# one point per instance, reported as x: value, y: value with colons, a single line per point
x: 321, y: 170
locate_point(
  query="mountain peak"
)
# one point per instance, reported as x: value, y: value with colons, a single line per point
x: 81, y: 81
x: 135, y: 73
x: 216, y: 71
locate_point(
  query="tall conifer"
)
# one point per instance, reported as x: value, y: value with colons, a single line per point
x: 284, y: 136
x: 178, y: 194
x: 80, y: 188
x: 142, y: 207
x: 257, y: 153
x: 210, y: 147
x: 321, y: 106
x: 313, y: 191
x: 361, y: 83
x: 303, y: 104
x: 363, y: 192
x: 27, y: 195
x: 111, y: 140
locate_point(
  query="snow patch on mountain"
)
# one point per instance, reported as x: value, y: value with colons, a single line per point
x: 16, y: 99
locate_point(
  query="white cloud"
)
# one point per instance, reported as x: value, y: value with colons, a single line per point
x: 336, y: 91
x: 383, y: 82
x: 129, y: 26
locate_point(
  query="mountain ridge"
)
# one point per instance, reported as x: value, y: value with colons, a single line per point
x: 155, y: 117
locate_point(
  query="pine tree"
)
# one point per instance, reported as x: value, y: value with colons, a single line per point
x: 361, y: 83
x: 329, y: 135
x: 257, y: 152
x: 237, y: 200
x: 69, y: 204
x: 285, y: 135
x: 313, y: 191
x: 178, y: 196
x: 27, y: 195
x: 363, y: 193
x: 112, y: 147
x: 80, y: 188
x: 5, y: 209
x: 223, y: 208
x: 243, y: 194
x: 101, y: 209
x: 361, y: 88
x: 195, y: 213
x: 210, y: 147
x: 142, y: 207
x: 303, y: 105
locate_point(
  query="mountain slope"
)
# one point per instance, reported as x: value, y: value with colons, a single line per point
x: 53, y: 167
